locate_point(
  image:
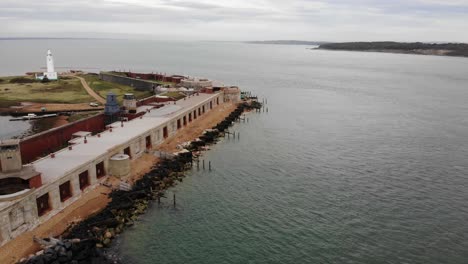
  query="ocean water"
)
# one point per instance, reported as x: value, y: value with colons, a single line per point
x: 10, y: 129
x: 361, y: 158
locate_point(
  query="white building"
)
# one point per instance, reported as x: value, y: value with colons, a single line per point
x: 50, y: 73
x: 196, y: 83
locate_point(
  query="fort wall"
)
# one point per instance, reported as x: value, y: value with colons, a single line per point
x: 51, y: 140
x: 41, y: 204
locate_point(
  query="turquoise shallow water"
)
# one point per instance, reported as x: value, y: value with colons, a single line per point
x: 362, y: 157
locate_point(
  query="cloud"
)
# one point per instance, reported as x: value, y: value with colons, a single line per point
x: 334, y: 20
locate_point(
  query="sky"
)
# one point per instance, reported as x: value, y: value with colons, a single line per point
x: 233, y: 20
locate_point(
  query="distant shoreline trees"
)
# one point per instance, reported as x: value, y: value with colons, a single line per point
x: 448, y: 49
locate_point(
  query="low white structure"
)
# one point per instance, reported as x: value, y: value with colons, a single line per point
x: 130, y: 103
x: 232, y: 94
x: 70, y: 172
x: 51, y: 74
x: 196, y: 83
x: 119, y: 165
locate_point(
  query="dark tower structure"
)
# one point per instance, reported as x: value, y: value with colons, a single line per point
x: 112, y: 109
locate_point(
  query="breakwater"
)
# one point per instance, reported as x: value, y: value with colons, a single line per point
x: 84, y: 241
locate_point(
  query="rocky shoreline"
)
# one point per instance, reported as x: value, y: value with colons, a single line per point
x: 87, y: 241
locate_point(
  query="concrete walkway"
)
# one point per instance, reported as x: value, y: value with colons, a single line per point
x: 91, y: 91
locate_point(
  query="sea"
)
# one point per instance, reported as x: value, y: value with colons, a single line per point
x: 361, y: 157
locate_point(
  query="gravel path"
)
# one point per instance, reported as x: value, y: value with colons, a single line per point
x: 90, y: 91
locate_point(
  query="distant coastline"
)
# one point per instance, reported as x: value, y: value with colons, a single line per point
x: 288, y: 42
x: 445, y: 49
x: 53, y: 38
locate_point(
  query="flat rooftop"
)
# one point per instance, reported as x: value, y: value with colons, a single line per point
x: 66, y: 161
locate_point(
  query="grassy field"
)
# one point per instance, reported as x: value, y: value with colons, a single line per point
x: 79, y: 116
x: 63, y: 91
x: 103, y: 88
x: 170, y: 84
x: 175, y: 95
x: 153, y: 81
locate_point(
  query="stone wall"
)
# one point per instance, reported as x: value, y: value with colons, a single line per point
x: 22, y: 215
x: 138, y: 84
x: 41, y: 144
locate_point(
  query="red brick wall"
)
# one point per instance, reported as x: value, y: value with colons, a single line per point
x: 162, y: 100
x: 42, y: 144
x: 35, y: 182
x: 145, y: 101
x: 177, y: 79
x: 153, y: 99
x: 133, y: 116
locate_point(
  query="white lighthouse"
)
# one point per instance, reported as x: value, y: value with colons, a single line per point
x: 50, y: 73
x: 50, y: 62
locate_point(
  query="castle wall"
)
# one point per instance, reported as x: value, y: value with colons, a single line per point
x: 23, y: 214
x: 44, y: 143
x: 138, y: 84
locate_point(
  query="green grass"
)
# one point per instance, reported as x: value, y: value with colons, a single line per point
x: 103, y: 88
x: 61, y: 91
x: 117, y: 73
x: 79, y: 116
x: 171, y: 84
x: 162, y: 83
x: 175, y: 95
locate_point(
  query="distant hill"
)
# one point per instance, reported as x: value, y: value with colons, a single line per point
x: 287, y: 42
x: 443, y: 49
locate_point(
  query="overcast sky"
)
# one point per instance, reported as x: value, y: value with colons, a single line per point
x: 325, y: 20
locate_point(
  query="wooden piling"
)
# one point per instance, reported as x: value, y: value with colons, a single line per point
x: 174, y: 197
x: 203, y: 164
x: 209, y: 165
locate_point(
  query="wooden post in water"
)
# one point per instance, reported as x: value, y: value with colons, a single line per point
x: 174, y: 200
x: 203, y: 164
x: 198, y: 164
x: 209, y: 165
